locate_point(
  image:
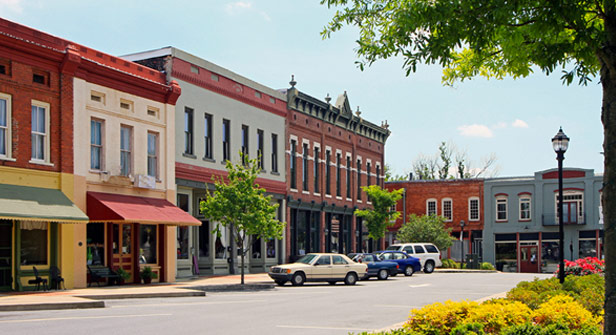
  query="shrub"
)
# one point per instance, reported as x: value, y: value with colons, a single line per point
x: 563, y: 310
x: 583, y: 267
x: 497, y: 315
x: 450, y: 264
x: 487, y: 266
x: 554, y: 329
x: 468, y: 329
x: 439, y: 318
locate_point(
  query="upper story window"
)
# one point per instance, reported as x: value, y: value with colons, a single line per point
x: 153, y: 154
x: 226, y: 136
x: 358, y: 179
x: 5, y: 125
x: 573, y: 206
x: 96, y: 145
x: 348, y: 177
x: 368, y: 173
x: 274, y: 153
x: 316, y: 169
x: 501, y: 208
x: 188, y: 131
x: 245, y: 144
x: 378, y: 175
x: 328, y: 160
x: 447, y: 206
x: 431, y: 207
x: 338, y: 174
x: 473, y: 209
x: 207, y: 135
x: 260, y: 158
x: 40, y: 131
x: 292, y: 162
x: 524, y: 208
x: 126, y: 134
x: 305, y: 167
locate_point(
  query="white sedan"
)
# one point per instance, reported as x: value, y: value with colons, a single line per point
x: 319, y: 267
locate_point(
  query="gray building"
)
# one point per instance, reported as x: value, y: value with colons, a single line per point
x: 521, y: 220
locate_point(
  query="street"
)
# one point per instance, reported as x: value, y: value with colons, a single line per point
x: 311, y: 309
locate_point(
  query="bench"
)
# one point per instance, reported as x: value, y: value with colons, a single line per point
x: 98, y: 273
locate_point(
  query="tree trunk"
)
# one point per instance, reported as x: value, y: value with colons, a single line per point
x: 608, y: 117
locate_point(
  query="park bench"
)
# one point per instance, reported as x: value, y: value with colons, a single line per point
x: 98, y: 273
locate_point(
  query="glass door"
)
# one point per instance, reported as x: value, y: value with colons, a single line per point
x: 122, y: 248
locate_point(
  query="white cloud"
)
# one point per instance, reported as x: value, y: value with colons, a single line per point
x: 241, y: 6
x: 519, y: 124
x: 475, y: 130
x: 13, y: 5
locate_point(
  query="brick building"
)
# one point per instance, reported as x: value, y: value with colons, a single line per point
x: 455, y: 200
x: 331, y: 154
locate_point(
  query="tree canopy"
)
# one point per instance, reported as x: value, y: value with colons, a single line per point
x: 426, y: 228
x: 382, y: 214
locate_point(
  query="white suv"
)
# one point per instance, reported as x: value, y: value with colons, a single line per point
x: 428, y: 254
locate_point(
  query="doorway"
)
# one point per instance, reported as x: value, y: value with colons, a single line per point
x: 122, y: 248
x: 570, y: 213
x: 6, y: 250
x: 529, y: 262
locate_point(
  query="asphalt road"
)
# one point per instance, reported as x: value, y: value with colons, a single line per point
x: 310, y: 309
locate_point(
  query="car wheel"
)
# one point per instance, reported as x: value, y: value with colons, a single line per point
x: 408, y: 271
x: 280, y: 282
x: 383, y: 274
x: 298, y: 279
x: 350, y: 279
x: 429, y: 267
x: 332, y: 282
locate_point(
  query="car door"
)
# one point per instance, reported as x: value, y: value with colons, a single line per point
x: 420, y: 253
x: 340, y: 267
x: 322, y: 268
x: 370, y: 261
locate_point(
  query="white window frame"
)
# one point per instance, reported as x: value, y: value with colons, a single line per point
x: 129, y: 151
x: 524, y: 199
x: 102, y: 145
x: 428, y: 201
x: 8, y: 136
x: 444, y: 208
x: 498, y: 200
x: 580, y: 202
x: 155, y: 156
x: 46, y: 144
x: 470, y: 209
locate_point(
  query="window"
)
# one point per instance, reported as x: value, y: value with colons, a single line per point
x: 501, y: 209
x: 226, y: 145
x: 96, y: 144
x: 125, y: 104
x: 327, y: 172
x: 573, y: 207
x: 274, y: 153
x: 305, y: 167
x: 153, y: 155
x: 473, y: 209
x: 525, y: 208
x: 338, y: 176
x: 125, y: 150
x: 378, y: 175
x: 152, y: 111
x: 431, y: 207
x: 204, y: 239
x: 33, y: 243
x: 188, y: 131
x: 40, y: 131
x: 256, y: 247
x: 260, y: 149
x: 147, y: 244
x: 207, y: 135
x: 358, y: 179
x: 5, y: 125
x: 368, y: 168
x: 447, y: 209
x: 348, y: 177
x: 245, y: 144
x: 292, y: 162
x: 40, y: 77
x: 316, y: 170
x: 419, y: 249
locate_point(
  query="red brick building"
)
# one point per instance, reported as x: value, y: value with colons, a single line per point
x: 456, y: 200
x: 332, y: 153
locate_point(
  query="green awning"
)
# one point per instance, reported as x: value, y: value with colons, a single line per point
x: 38, y: 204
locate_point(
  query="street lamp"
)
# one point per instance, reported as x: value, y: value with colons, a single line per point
x: 560, y: 142
x: 461, y: 244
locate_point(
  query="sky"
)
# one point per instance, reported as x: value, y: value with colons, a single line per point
x: 269, y: 40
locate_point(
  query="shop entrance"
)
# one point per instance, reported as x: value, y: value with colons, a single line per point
x: 529, y: 261
x: 122, y: 248
x: 6, y: 239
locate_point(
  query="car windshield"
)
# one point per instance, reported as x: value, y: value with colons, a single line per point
x: 306, y: 259
x: 393, y: 247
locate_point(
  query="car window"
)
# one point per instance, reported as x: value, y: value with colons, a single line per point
x: 387, y: 255
x: 399, y: 255
x: 419, y: 249
x: 306, y: 259
x: 369, y: 258
x: 408, y: 249
x: 393, y: 247
x: 339, y: 260
x: 324, y: 260
x: 430, y: 248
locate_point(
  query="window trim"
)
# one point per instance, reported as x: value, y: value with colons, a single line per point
x: 130, y: 150
x: 46, y: 145
x: 498, y: 199
x: 443, y: 201
x: 274, y: 153
x: 156, y: 154
x: 208, y: 151
x: 226, y: 140
x: 293, y: 165
x: 428, y: 201
x: 8, y: 133
x: 470, y: 212
x: 525, y: 198
x: 189, y: 130
x: 305, y: 154
x: 101, y: 146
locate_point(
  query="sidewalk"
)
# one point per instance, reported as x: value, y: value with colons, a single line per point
x: 92, y: 297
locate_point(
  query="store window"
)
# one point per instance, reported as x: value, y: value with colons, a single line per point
x: 271, y: 248
x: 549, y: 253
x: 204, y: 239
x: 588, y: 248
x: 221, y: 249
x: 33, y: 243
x: 95, y: 243
x: 506, y: 256
x: 147, y: 244
x: 256, y: 247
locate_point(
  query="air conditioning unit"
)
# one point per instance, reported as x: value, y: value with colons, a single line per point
x: 145, y: 181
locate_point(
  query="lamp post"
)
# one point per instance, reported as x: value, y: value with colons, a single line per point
x: 560, y: 143
x: 461, y: 243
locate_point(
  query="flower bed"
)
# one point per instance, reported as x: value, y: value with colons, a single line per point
x: 583, y: 267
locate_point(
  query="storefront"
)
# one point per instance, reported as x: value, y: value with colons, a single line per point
x: 31, y: 220
x: 131, y: 232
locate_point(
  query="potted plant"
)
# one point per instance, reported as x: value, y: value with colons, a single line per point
x: 124, y: 275
x: 147, y: 275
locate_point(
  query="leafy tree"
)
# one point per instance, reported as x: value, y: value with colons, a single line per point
x: 426, y: 228
x: 439, y: 165
x: 498, y: 38
x: 381, y: 215
x: 389, y: 176
x: 445, y: 151
x: 241, y: 205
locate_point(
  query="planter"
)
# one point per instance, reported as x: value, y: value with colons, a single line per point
x: 147, y: 280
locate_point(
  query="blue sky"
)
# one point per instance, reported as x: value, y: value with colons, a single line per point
x: 268, y: 40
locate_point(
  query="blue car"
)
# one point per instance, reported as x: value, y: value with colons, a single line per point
x: 376, y: 267
x: 407, y: 264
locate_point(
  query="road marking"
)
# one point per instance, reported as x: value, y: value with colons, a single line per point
x: 85, y: 318
x: 192, y: 303
x: 326, y: 328
x: 420, y: 285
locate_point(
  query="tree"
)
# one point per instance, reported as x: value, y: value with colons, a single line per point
x: 445, y: 151
x: 497, y: 38
x: 427, y: 167
x: 381, y: 215
x: 389, y: 176
x: 426, y: 228
x: 241, y: 205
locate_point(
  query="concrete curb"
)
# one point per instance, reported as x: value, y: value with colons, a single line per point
x: 464, y: 271
x: 188, y: 293
x: 234, y: 287
x: 52, y: 306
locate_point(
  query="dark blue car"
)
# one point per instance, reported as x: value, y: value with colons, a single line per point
x: 376, y: 267
x: 407, y: 264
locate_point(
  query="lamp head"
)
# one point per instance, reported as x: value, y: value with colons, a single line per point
x: 560, y: 142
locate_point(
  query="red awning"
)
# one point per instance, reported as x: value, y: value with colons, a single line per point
x: 106, y: 207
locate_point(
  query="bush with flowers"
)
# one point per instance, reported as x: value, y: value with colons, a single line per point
x: 583, y: 267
